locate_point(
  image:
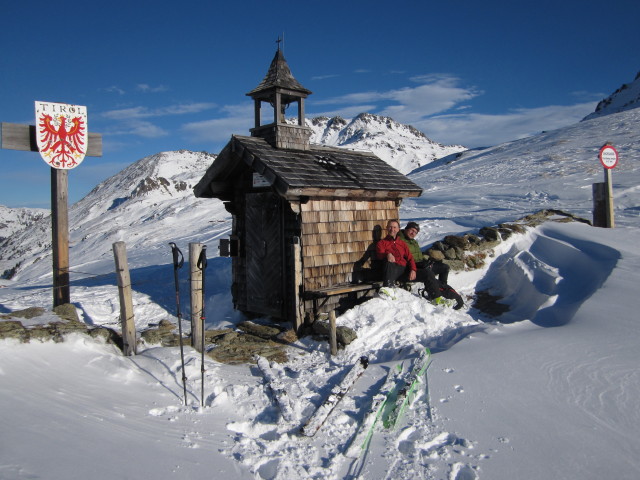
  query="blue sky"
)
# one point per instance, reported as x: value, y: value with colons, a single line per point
x: 159, y: 75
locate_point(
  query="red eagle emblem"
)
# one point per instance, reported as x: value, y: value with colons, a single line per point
x: 62, y: 134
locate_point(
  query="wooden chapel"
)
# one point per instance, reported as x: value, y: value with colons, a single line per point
x: 304, y: 215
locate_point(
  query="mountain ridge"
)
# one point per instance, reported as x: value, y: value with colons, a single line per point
x: 150, y: 202
x: 624, y: 98
x: 402, y: 146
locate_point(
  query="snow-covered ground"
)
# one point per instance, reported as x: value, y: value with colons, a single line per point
x: 549, y: 392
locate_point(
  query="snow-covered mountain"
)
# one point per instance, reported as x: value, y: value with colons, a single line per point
x: 152, y: 192
x: 14, y: 219
x: 401, y: 146
x: 139, y: 204
x: 624, y: 98
x: 151, y: 201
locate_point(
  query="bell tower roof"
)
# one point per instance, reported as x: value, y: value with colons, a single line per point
x: 280, y: 89
x: 278, y: 76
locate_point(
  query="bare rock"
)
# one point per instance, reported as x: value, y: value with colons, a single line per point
x: 262, y: 331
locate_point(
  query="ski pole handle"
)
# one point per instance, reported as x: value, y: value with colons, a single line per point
x: 202, y: 259
x: 177, y: 263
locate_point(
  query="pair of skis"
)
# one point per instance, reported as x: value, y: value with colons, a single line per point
x: 283, y: 400
x: 178, y: 262
x: 387, y: 407
x: 391, y: 402
x: 337, y: 393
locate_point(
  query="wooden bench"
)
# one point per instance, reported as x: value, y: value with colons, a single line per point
x: 320, y: 296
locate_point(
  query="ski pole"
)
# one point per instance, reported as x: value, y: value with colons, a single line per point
x: 178, y: 261
x: 202, y: 265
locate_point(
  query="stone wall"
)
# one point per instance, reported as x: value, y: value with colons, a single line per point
x: 469, y: 251
x: 66, y: 321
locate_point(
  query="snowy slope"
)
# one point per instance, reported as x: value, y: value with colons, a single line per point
x: 145, y: 204
x: 14, y: 219
x: 551, y: 395
x: 554, y: 169
x: 624, y: 98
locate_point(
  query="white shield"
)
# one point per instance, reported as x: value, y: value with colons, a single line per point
x: 61, y: 134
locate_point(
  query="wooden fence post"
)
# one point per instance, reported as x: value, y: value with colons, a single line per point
x: 599, y: 217
x: 195, y: 276
x: 296, y: 251
x: 603, y: 215
x: 333, y: 333
x: 126, y: 302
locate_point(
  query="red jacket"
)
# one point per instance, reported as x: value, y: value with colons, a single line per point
x: 397, y: 248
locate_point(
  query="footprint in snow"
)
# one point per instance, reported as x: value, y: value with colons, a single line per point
x: 461, y: 471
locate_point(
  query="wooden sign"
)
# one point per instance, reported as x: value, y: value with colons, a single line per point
x: 62, y: 134
x: 62, y: 139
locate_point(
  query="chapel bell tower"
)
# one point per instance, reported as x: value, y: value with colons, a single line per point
x: 280, y: 89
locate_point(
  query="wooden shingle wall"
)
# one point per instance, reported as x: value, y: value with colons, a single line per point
x: 336, y: 234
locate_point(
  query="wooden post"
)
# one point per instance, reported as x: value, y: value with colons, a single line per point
x: 126, y: 302
x: 195, y: 277
x: 333, y: 333
x: 608, y: 199
x: 60, y: 236
x: 598, y: 190
x: 297, y: 284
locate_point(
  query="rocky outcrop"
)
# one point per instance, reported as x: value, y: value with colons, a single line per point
x: 469, y: 251
x: 228, y: 345
x: 54, y: 330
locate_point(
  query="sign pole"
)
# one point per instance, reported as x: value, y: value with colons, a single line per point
x: 608, y: 199
x: 609, y: 159
x: 60, y: 235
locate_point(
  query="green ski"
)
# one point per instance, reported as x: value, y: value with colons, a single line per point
x: 360, y: 440
x: 394, y: 411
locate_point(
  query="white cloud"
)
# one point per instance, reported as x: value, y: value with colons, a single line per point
x: 136, y: 120
x: 476, y: 129
x: 115, y: 89
x: 140, y: 128
x: 145, y: 112
x: 238, y: 119
x: 435, y: 94
x: 324, y: 77
x: 146, y: 88
x: 347, y: 112
x: 439, y: 106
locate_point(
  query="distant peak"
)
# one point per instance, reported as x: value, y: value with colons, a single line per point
x: 624, y: 98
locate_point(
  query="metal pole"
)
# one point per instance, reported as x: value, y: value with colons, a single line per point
x: 608, y: 199
x: 202, y: 265
x: 178, y: 262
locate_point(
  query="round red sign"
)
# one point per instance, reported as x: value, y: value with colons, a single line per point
x: 608, y: 156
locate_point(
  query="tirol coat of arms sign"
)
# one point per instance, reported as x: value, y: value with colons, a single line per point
x: 61, y: 134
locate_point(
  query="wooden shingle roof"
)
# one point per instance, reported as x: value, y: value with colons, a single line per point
x: 319, y: 171
x: 278, y: 76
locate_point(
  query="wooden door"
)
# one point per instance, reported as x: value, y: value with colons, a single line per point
x: 265, y: 257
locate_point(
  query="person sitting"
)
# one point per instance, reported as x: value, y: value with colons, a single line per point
x: 427, y: 269
x: 398, y: 263
x: 408, y: 235
x: 395, y: 256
